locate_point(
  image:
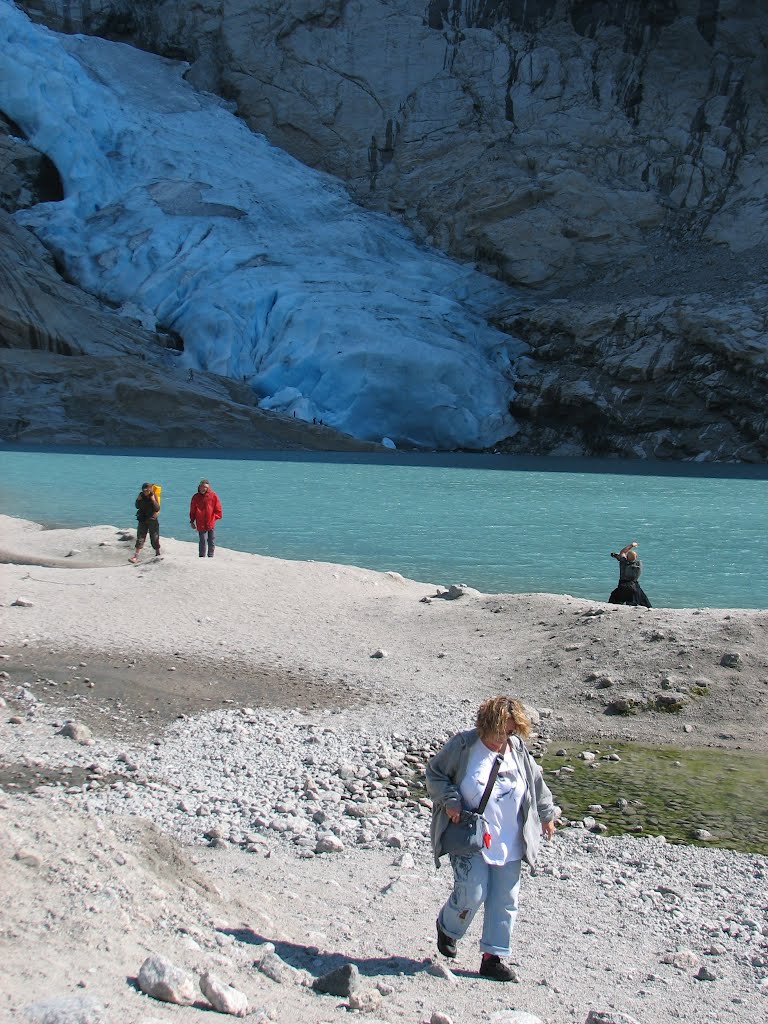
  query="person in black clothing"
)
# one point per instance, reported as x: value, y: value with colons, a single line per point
x: 147, y: 511
x: 629, y: 590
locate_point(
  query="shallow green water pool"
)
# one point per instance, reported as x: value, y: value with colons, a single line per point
x: 666, y: 791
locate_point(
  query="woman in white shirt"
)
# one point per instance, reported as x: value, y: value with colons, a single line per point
x: 519, y: 811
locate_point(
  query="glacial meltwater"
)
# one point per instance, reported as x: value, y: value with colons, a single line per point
x: 498, y: 524
x: 706, y: 797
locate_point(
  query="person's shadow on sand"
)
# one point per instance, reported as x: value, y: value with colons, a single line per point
x: 308, y: 958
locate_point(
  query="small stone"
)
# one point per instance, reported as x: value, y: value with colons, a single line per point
x: 702, y: 834
x: 440, y: 1018
x: 439, y: 970
x: 731, y: 660
x: 609, y: 1017
x: 705, y: 974
x: 681, y: 958
x: 273, y: 966
x: 22, y: 602
x: 329, y: 844
x: 366, y: 1002
x: 76, y: 731
x: 28, y: 857
x: 405, y: 860
x: 380, y: 654
x: 587, y: 755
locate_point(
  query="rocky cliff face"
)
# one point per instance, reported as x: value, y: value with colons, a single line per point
x: 610, y: 151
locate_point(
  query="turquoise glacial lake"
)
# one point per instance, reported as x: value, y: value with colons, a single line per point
x: 497, y: 523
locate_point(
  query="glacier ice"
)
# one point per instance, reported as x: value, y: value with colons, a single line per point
x: 177, y: 213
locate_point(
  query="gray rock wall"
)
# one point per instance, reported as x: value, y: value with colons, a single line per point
x: 556, y: 143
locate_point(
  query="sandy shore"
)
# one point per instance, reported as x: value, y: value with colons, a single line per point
x: 136, y: 652
x: 182, y: 632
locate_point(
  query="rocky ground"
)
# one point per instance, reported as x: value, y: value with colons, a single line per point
x: 234, y: 788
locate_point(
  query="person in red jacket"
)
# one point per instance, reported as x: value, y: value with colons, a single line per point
x: 204, y: 510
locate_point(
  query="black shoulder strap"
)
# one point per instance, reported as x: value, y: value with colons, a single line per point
x: 492, y: 777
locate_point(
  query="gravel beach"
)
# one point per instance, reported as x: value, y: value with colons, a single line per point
x: 217, y: 762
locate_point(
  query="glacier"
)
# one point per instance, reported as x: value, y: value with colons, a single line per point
x: 175, y: 212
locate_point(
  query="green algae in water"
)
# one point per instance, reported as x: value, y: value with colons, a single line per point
x: 669, y: 791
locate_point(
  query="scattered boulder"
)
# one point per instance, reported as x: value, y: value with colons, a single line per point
x: 367, y: 1001
x: 702, y: 834
x: 671, y: 702
x: 343, y: 982
x: 76, y: 731
x: 273, y: 966
x: 22, y: 602
x: 681, y: 958
x: 439, y: 970
x: 222, y: 997
x: 160, y: 979
x: 440, y: 1018
x: 629, y: 704
x: 329, y: 844
x: 731, y: 660
x: 705, y: 974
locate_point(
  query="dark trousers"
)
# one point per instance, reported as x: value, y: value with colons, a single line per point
x: 202, y: 534
x: 151, y: 527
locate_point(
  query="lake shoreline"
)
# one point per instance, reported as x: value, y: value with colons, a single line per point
x: 320, y: 624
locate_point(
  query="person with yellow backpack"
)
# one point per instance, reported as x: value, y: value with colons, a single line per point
x: 147, y: 511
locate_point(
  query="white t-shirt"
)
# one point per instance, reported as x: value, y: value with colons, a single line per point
x: 503, y: 808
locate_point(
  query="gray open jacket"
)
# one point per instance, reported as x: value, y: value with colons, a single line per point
x: 448, y: 767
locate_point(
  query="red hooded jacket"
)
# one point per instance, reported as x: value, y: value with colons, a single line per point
x: 204, y: 510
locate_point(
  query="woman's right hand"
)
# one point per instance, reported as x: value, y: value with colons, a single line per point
x: 454, y: 813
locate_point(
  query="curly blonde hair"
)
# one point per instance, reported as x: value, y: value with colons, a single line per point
x: 493, y: 714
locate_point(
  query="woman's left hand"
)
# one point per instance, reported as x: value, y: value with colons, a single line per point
x: 547, y: 829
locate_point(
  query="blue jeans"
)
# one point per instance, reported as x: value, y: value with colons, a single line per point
x: 476, y: 883
x: 211, y: 543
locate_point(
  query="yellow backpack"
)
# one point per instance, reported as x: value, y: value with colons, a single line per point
x: 157, y: 490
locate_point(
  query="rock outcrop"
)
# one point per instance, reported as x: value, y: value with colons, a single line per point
x: 678, y: 378
x: 611, y: 151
